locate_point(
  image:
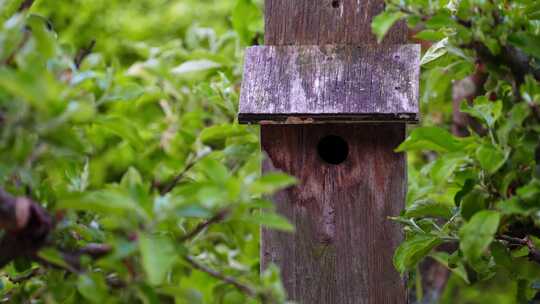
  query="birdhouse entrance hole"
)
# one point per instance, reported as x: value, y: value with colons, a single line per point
x: 333, y: 149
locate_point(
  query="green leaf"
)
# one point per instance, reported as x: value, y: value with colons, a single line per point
x: 272, y: 182
x: 431, y: 138
x: 93, y: 288
x: 158, y: 257
x: 246, y: 20
x: 468, y: 186
x: 527, y: 42
x: 502, y: 256
x: 54, y: 257
x: 193, y: 211
x: 214, y: 170
x: 411, y: 251
x: 437, y: 84
x: 530, y: 91
x: 22, y: 264
x: 444, y: 167
x: 514, y: 123
x: 435, y: 52
x: 428, y: 208
x: 478, y: 233
x: 530, y: 192
x: 515, y: 206
x: 484, y: 109
x: 132, y: 178
x: 490, y: 158
x: 442, y: 19
x: 45, y: 40
x: 122, y: 127
x: 472, y: 203
x: 383, y: 22
x: 212, y: 196
x: 446, y: 260
x: 195, y: 66
x: 125, y: 92
x: 29, y: 87
x: 216, y: 136
x: 272, y: 221
x: 430, y: 35
x: 11, y: 35
x: 109, y: 201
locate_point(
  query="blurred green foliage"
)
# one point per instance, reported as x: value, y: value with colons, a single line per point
x: 135, y: 145
x: 120, y: 27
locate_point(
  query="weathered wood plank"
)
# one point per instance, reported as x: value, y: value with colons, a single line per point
x: 320, y: 22
x: 299, y: 84
x: 342, y: 249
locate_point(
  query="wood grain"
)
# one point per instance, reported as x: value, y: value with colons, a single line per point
x: 320, y: 22
x: 299, y: 84
x: 342, y: 250
x: 343, y: 246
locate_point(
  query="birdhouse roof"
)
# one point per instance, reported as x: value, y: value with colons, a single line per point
x: 317, y: 84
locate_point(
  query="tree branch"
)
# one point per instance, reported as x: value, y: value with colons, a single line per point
x: 26, y: 5
x: 517, y: 61
x: 202, y: 226
x: 25, y: 277
x: 13, y: 212
x: 243, y: 288
x: 83, y: 53
x: 27, y: 226
x: 534, y: 253
x: 94, y: 251
x: 512, y: 240
x: 178, y: 178
x: 467, y: 90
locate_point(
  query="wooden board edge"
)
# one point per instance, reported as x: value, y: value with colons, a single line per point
x: 295, y: 119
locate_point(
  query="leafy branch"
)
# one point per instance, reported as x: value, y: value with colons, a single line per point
x: 27, y: 227
x: 219, y: 217
x: 168, y: 187
x: 534, y: 253
x: 243, y: 288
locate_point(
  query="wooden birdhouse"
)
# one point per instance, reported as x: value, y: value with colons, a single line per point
x: 332, y: 114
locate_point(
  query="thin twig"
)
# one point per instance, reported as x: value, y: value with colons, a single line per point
x: 512, y: 240
x: 25, y: 277
x: 65, y: 267
x: 534, y: 253
x: 26, y: 5
x: 84, y: 52
x: 94, y: 251
x: 245, y: 289
x: 178, y: 178
x: 72, y: 259
x: 202, y: 226
x: 11, y: 58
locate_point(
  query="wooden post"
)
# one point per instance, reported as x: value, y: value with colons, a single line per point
x: 332, y: 116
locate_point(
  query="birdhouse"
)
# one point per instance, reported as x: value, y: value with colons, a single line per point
x: 333, y: 106
x: 332, y: 117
